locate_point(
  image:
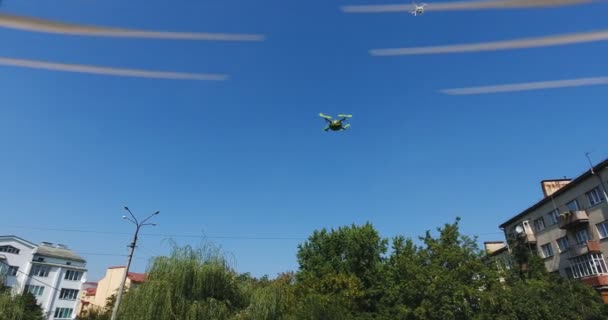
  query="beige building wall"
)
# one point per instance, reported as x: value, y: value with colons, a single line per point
x: 109, y: 285
x: 558, y: 199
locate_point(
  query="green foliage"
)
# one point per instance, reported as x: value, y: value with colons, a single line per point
x: 349, y: 273
x: 343, y: 267
x: 21, y: 307
x: 190, y: 284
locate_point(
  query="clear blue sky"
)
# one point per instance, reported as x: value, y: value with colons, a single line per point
x: 247, y: 157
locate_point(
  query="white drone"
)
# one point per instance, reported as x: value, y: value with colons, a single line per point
x: 418, y: 9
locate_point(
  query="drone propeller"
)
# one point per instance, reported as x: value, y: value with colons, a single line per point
x: 345, y: 115
x: 324, y: 116
x: 346, y: 126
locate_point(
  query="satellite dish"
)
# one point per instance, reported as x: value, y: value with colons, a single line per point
x: 519, y: 230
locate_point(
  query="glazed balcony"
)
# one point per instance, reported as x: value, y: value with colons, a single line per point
x: 573, y: 219
x: 581, y: 249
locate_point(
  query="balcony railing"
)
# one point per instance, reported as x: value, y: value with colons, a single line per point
x: 581, y: 249
x: 573, y: 219
x: 528, y: 237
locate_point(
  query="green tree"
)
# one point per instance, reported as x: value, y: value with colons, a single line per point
x: 342, y: 269
x: 190, y: 284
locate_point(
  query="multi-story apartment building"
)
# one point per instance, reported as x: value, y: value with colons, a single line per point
x: 51, y: 272
x: 568, y: 227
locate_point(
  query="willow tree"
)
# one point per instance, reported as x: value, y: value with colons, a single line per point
x: 189, y: 284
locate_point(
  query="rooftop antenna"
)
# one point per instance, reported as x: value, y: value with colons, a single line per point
x: 587, y: 154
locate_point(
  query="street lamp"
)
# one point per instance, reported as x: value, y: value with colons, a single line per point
x: 138, y: 225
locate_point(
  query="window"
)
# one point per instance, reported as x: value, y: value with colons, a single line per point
x: 12, y: 271
x: 554, y: 217
x: 68, y: 294
x: 547, y: 250
x: 602, y: 229
x: 573, y: 205
x: 539, y: 224
x: 588, y: 265
x: 63, y: 313
x: 582, y: 236
x: 563, y: 244
x: 73, y: 275
x: 9, y: 249
x: 35, y: 290
x: 40, y: 271
x: 594, y: 196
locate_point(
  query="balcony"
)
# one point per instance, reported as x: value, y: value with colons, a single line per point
x: 573, y: 219
x: 581, y: 249
x: 528, y: 237
x: 596, y: 280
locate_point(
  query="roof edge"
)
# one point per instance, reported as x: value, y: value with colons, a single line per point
x: 23, y: 241
x: 600, y: 166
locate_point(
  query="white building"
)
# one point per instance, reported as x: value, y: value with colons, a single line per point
x: 51, y: 272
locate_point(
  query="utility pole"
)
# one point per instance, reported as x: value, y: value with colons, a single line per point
x: 598, y: 176
x: 132, y: 246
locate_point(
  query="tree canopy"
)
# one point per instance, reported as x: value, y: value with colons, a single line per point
x: 353, y: 273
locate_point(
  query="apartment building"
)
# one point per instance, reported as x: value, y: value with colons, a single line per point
x: 568, y: 227
x: 51, y: 272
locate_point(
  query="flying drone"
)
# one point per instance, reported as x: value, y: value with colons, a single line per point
x: 418, y: 9
x: 336, y: 125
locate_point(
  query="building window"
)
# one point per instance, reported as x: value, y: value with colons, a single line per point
x: 12, y: 271
x: 73, y: 275
x: 602, y: 229
x: 539, y: 224
x: 63, y: 313
x: 9, y: 249
x: 563, y: 244
x: 573, y: 205
x: 35, y: 290
x: 588, y: 265
x: 582, y: 236
x: 554, y: 216
x: 594, y: 196
x: 40, y: 271
x: 68, y: 294
x: 547, y: 250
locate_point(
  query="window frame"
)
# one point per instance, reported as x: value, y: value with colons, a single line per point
x: 598, y: 194
x: 559, y: 242
x: 604, y: 225
x: 73, y: 275
x: 68, y: 294
x: 550, y: 247
x: 537, y: 222
x: 553, y: 217
x: 575, y: 201
x: 580, y: 231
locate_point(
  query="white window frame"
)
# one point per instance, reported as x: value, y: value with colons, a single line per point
x: 588, y: 265
x: 577, y: 205
x: 539, y: 224
x: 35, y: 290
x: 547, y: 250
x: 602, y: 229
x: 561, y: 241
x: 594, y: 196
x: 40, y: 271
x: 554, y: 216
x: 73, y: 275
x: 579, y: 239
x: 63, y: 313
x: 68, y: 294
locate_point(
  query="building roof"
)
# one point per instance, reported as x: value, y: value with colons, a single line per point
x: 55, y: 252
x: 91, y: 291
x: 18, y: 239
x: 137, y: 277
x: 567, y: 187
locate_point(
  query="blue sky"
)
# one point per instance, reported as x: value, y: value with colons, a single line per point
x: 248, y: 157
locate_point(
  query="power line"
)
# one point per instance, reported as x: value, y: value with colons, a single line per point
x: 187, y: 235
x: 27, y: 275
x: 159, y: 234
